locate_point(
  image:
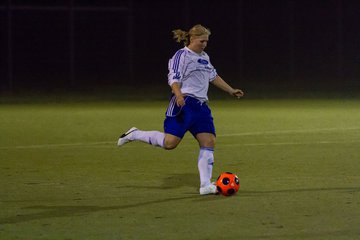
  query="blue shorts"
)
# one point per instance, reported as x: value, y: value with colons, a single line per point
x: 194, y: 117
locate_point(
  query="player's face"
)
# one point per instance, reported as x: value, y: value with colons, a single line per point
x: 198, y: 44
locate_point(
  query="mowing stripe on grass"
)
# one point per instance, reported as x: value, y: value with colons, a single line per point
x: 111, y: 144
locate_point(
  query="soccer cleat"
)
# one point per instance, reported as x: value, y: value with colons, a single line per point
x: 209, y: 189
x: 125, y: 137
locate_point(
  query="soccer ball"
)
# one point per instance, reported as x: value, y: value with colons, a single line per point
x: 227, y: 183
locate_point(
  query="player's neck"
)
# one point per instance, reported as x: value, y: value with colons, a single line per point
x: 197, y: 51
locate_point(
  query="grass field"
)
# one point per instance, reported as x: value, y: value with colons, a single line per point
x: 62, y: 176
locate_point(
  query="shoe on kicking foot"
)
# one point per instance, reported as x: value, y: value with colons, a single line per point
x: 125, y: 138
x: 208, y: 189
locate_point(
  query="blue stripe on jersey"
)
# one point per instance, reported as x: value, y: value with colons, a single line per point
x: 177, y: 59
x: 176, y: 63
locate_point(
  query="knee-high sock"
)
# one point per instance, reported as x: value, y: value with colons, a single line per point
x: 205, y: 165
x: 155, y: 138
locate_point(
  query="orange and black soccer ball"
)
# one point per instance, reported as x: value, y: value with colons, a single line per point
x: 227, y: 183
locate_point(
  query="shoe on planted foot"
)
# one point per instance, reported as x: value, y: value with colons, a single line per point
x: 208, y: 189
x: 125, y: 138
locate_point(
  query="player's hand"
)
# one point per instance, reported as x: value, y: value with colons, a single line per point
x: 180, y: 101
x: 237, y: 93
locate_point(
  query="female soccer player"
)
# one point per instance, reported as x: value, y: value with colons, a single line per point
x: 190, y: 73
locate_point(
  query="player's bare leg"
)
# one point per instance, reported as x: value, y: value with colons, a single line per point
x: 171, y: 141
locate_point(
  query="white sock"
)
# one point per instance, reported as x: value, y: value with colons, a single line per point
x: 154, y: 138
x: 205, y: 165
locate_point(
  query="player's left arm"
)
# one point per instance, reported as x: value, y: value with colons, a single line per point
x: 220, y: 83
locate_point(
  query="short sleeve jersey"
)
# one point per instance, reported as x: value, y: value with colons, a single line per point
x: 193, y: 72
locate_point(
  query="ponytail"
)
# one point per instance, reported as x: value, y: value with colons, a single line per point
x: 181, y: 36
x: 196, y: 31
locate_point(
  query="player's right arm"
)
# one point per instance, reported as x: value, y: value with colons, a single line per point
x: 176, y: 66
x: 177, y: 92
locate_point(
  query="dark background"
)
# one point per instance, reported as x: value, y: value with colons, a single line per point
x: 279, y: 45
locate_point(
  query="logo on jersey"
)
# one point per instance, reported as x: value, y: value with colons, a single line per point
x: 203, y: 61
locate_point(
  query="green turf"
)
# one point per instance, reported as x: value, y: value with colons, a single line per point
x: 62, y: 177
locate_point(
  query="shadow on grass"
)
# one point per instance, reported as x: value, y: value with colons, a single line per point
x: 350, y: 233
x: 169, y: 182
x: 172, y: 182
x: 300, y: 190
x: 46, y: 212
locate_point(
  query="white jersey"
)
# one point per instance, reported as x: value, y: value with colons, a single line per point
x: 193, y: 72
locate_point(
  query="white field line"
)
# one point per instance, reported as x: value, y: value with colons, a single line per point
x: 111, y: 144
x: 84, y: 144
x: 316, y: 130
x: 290, y: 143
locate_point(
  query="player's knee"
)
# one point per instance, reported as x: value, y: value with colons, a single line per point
x: 171, y: 142
x: 169, y: 145
x: 209, y: 143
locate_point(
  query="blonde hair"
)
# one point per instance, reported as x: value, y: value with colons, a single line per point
x: 195, y: 31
